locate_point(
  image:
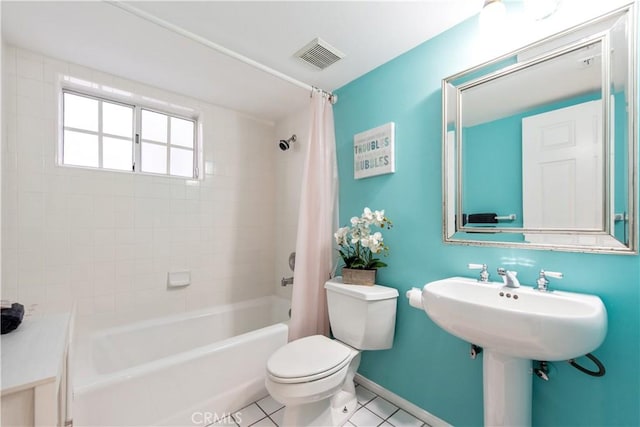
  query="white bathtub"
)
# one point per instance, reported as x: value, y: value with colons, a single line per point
x: 169, y: 371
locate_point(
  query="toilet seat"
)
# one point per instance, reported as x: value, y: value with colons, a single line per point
x: 308, y: 359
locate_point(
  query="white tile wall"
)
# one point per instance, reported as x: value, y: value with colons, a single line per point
x: 108, y: 239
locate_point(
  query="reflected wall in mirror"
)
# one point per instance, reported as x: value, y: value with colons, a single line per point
x: 540, y: 145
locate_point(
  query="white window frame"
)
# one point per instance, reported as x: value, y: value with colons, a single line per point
x: 138, y: 107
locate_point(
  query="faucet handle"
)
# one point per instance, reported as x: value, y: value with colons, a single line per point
x: 542, y: 282
x: 484, y: 273
x: 554, y: 274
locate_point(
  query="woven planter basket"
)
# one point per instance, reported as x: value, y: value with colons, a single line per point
x: 352, y: 276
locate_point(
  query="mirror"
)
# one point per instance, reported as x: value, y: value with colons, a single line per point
x: 540, y: 145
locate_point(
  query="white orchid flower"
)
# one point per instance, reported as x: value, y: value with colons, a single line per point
x: 367, y: 215
x: 341, y: 235
x: 375, y: 242
x: 354, y: 220
x: 379, y: 217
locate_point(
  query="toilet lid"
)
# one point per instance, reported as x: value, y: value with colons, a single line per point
x: 308, y: 357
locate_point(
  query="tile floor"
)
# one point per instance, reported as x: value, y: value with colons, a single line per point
x: 372, y: 411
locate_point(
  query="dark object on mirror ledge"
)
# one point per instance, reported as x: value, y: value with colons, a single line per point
x: 483, y: 218
x: 11, y: 317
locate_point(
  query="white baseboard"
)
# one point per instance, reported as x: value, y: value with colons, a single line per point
x: 401, y: 403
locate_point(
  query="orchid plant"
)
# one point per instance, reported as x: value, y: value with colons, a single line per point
x: 358, y: 245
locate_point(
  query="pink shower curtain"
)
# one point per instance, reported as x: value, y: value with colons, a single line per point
x: 317, y: 221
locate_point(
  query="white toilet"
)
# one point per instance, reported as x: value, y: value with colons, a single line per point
x: 313, y: 376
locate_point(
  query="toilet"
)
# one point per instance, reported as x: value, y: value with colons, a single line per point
x: 313, y: 376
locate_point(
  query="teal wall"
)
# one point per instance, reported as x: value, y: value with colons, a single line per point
x: 427, y: 366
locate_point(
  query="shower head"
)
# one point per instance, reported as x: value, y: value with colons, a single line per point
x: 285, y: 144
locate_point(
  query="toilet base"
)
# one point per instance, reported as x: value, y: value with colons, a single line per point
x: 343, y: 405
x: 331, y: 411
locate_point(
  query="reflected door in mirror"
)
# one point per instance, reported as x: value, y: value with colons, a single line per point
x: 562, y: 171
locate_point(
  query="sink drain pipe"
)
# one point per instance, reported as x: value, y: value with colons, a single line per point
x: 600, y: 372
x: 542, y: 370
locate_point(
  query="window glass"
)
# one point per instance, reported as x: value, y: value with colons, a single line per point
x: 81, y: 149
x: 117, y: 119
x: 154, y: 158
x: 181, y: 162
x: 154, y: 126
x: 181, y: 132
x: 117, y: 153
x: 80, y: 112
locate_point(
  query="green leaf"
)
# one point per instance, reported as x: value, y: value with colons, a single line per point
x: 376, y: 264
x: 358, y: 263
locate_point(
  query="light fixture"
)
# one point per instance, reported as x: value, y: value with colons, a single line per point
x: 493, y: 13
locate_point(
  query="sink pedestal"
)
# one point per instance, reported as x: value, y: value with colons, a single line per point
x: 506, y: 390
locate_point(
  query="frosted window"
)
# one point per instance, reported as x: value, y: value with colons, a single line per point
x: 80, y: 149
x: 181, y: 132
x: 154, y: 158
x: 117, y: 119
x: 181, y: 162
x: 154, y: 126
x: 80, y: 112
x: 114, y: 135
x: 117, y: 153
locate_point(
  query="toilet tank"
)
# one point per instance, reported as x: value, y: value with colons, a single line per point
x: 363, y: 317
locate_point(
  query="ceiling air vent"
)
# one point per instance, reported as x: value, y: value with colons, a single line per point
x: 319, y: 54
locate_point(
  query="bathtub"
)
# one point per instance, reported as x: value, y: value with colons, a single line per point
x: 178, y: 370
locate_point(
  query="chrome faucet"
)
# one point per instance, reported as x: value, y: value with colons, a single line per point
x: 543, y: 283
x: 509, y: 278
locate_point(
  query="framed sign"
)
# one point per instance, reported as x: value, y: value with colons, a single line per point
x: 373, y: 152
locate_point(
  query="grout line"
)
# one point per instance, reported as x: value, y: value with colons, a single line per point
x: 263, y: 411
x: 393, y: 413
x: 260, y: 407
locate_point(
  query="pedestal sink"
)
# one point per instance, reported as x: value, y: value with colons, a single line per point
x: 515, y: 326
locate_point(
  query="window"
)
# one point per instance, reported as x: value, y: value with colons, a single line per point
x: 105, y: 134
x: 167, y: 144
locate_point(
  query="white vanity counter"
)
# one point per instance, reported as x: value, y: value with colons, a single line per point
x: 34, y: 364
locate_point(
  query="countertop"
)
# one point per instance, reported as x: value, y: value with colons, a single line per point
x: 33, y: 353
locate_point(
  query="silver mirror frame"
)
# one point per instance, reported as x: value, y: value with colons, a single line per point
x: 632, y: 150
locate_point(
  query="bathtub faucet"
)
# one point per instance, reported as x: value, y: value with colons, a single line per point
x: 286, y: 281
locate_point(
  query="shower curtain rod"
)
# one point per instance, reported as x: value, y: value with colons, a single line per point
x: 221, y: 49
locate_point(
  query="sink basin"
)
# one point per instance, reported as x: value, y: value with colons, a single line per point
x: 518, y: 322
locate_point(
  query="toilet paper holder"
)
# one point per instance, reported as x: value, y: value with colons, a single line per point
x: 414, y: 295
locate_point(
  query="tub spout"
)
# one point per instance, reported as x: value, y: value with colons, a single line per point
x: 286, y: 281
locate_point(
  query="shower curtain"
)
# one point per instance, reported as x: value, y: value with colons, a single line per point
x: 317, y: 221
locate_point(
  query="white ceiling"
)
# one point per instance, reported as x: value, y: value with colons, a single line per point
x: 102, y: 36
